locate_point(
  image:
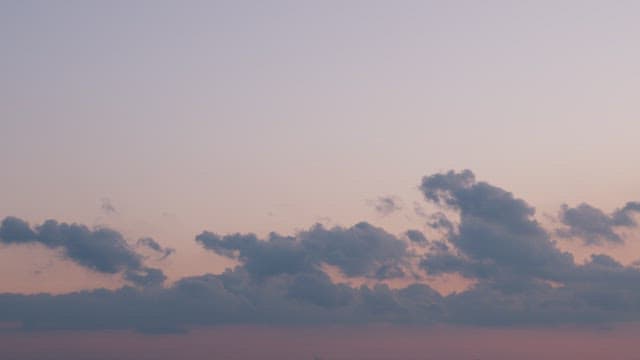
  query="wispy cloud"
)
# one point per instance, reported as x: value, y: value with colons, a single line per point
x: 386, y: 205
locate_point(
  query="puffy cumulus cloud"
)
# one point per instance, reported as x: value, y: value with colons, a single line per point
x: 102, y: 250
x: 519, y: 274
x: 593, y: 226
x: 497, y: 232
x: 522, y: 277
x: 362, y: 250
x: 623, y: 216
x: 261, y: 258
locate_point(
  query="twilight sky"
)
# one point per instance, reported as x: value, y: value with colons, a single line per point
x: 349, y: 163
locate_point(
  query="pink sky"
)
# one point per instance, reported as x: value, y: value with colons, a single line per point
x: 331, y: 343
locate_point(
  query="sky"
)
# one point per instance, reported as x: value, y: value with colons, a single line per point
x: 464, y: 167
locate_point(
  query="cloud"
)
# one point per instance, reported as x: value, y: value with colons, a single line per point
x: 230, y: 297
x: 593, y: 226
x: 318, y: 289
x: 623, y: 216
x: 417, y: 237
x: 149, y: 243
x: 520, y: 276
x: 107, y: 206
x: 440, y: 221
x: 386, y: 205
x: 145, y: 276
x: 497, y: 232
x: 102, y: 250
x: 361, y: 250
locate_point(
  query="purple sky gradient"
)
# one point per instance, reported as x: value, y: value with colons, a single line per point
x: 174, y: 120
x: 330, y: 343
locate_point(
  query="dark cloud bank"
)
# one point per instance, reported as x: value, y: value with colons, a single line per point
x: 521, y: 276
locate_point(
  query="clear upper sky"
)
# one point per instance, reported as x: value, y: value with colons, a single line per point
x: 222, y: 112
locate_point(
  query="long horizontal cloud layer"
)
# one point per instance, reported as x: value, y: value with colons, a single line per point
x: 520, y: 275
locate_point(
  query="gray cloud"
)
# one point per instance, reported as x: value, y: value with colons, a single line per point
x: 231, y: 297
x: 386, y: 205
x: 107, y: 206
x: 623, y: 216
x: 417, y: 237
x: 520, y: 276
x: 145, y: 276
x: 593, y: 226
x: 440, y: 221
x: 150, y: 243
x: 496, y: 229
x: 361, y: 250
x: 261, y: 258
x: 101, y: 250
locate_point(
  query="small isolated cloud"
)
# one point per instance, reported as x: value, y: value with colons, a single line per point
x: 386, y: 205
x: 107, y: 206
x: 419, y: 210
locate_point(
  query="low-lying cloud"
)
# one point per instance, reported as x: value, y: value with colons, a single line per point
x: 519, y: 274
